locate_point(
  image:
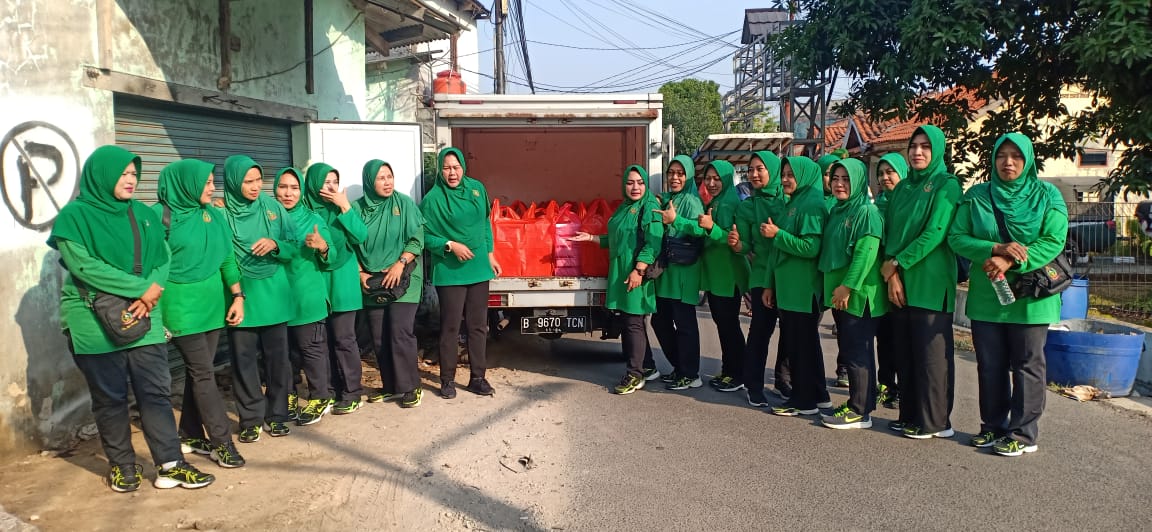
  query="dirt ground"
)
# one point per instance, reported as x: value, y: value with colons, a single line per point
x: 475, y: 462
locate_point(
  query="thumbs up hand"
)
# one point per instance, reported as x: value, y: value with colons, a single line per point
x: 734, y: 240
x: 667, y: 215
x: 705, y: 221
x: 769, y: 229
x: 315, y: 241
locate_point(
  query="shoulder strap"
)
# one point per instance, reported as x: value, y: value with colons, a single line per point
x: 1003, y: 227
x: 137, y: 267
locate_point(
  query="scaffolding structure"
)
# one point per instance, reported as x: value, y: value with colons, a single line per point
x: 763, y: 76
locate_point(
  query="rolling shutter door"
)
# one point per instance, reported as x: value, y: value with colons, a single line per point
x: 165, y: 133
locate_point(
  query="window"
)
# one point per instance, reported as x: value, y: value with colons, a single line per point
x: 1094, y: 158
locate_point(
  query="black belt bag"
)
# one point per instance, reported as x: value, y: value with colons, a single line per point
x: 682, y: 250
x: 380, y: 294
x: 1054, y: 278
x: 111, y: 311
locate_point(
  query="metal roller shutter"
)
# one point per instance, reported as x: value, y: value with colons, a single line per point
x: 165, y: 133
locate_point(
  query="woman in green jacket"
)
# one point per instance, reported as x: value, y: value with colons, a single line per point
x: 264, y: 242
x: 794, y: 286
x: 891, y: 169
x: 307, y: 331
x: 766, y: 202
x: 852, y: 285
x: 920, y: 270
x: 322, y: 194
x: 678, y: 289
x: 101, y: 235
x: 458, y: 234
x: 394, y: 244
x: 202, y: 267
x: 724, y: 274
x: 633, y: 241
x: 1009, y: 339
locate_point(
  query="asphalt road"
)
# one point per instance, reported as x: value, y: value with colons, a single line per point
x: 705, y: 460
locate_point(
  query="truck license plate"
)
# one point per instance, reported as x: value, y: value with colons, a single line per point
x: 553, y: 324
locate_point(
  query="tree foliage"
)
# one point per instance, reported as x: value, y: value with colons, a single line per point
x: 763, y: 122
x: 692, y: 107
x: 1020, y: 54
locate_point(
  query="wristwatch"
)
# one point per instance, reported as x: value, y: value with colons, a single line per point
x: 239, y: 294
x: 404, y: 260
x: 448, y: 247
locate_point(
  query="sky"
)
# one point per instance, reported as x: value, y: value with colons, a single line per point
x: 635, y: 51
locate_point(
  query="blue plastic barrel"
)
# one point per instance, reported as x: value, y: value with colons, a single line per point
x: 1074, y: 300
x: 1096, y: 353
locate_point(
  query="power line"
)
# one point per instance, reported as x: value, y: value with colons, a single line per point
x: 518, y: 9
x: 618, y: 49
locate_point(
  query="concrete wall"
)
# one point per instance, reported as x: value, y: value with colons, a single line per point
x: 46, y: 109
x: 396, y: 91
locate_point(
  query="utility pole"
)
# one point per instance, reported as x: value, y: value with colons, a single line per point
x: 499, y: 84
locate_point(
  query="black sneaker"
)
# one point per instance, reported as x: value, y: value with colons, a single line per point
x: 841, y: 377
x: 984, y: 439
x: 250, y: 434
x: 789, y: 410
x: 412, y: 398
x: 729, y: 384
x: 314, y: 411
x: 651, y: 374
x: 293, y: 406
x: 715, y: 381
x: 195, y: 445
x: 669, y: 378
x: 125, y: 478
x: 684, y: 383
x: 346, y: 406
x: 182, y: 475
x: 629, y: 384
x: 448, y: 390
x: 1009, y: 447
x: 480, y: 386
x: 757, y: 398
x: 225, y: 455
x: 846, y: 418
x: 897, y: 425
x: 380, y: 396
x: 783, y: 392
x: 277, y: 429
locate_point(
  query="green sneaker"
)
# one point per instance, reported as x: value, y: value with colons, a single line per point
x: 182, y: 475
x: 984, y: 439
x: 195, y: 445
x: 840, y: 411
x: 1009, y: 447
x: 412, y: 398
x: 346, y: 406
x: 313, y: 411
x: 125, y: 478
x: 250, y: 434
x: 380, y: 396
x: 293, y: 406
x: 629, y: 384
x: 846, y: 418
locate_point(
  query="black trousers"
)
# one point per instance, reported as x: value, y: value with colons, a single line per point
x: 310, y: 354
x: 800, y: 339
x: 634, y: 342
x: 394, y: 339
x: 756, y: 351
x: 470, y: 302
x: 1012, y: 375
x: 344, y: 356
x: 253, y: 405
x: 855, y: 336
x: 925, y: 367
x: 203, y: 406
x: 726, y: 315
x: 885, y: 351
x: 109, y: 376
x: 678, y: 332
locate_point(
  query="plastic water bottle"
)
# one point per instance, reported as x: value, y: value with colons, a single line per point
x: 1003, y: 291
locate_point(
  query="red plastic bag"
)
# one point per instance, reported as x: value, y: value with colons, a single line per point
x: 594, y: 220
x: 508, y: 236
x: 539, y: 238
x: 567, y: 254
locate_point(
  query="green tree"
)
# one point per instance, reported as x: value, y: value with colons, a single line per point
x: 1020, y: 54
x: 763, y: 122
x: 692, y: 107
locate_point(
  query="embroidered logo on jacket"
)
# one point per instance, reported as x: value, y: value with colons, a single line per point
x: 395, y: 211
x: 271, y: 215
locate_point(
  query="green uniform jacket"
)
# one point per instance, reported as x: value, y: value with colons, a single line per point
x: 305, y: 271
x: 682, y: 281
x: 344, y: 290
x: 461, y: 215
x: 723, y: 272
x: 792, y: 270
x: 622, y: 240
x: 201, y: 306
x: 862, y: 276
x: 974, y: 240
x: 269, y: 300
x: 414, y: 245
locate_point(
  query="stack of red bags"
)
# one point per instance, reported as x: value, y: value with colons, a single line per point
x: 533, y: 240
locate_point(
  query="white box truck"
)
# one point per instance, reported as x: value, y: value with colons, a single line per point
x: 567, y: 148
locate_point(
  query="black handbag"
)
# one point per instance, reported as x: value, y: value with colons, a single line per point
x: 1053, y: 278
x: 656, y: 269
x: 378, y: 293
x: 120, y: 326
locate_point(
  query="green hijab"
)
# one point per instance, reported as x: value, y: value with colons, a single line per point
x: 303, y: 217
x: 392, y: 221
x: 765, y: 202
x: 825, y: 162
x: 630, y: 215
x: 442, y: 203
x: 198, y: 235
x: 850, y: 219
x: 897, y: 162
x: 910, y: 203
x: 1025, y: 201
x: 724, y: 205
x: 687, y: 200
x: 251, y: 220
x: 310, y: 196
x: 99, y: 222
x: 805, y: 211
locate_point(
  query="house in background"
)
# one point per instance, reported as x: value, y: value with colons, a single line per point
x: 170, y: 79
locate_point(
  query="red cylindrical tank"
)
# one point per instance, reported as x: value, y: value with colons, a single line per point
x: 448, y: 82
